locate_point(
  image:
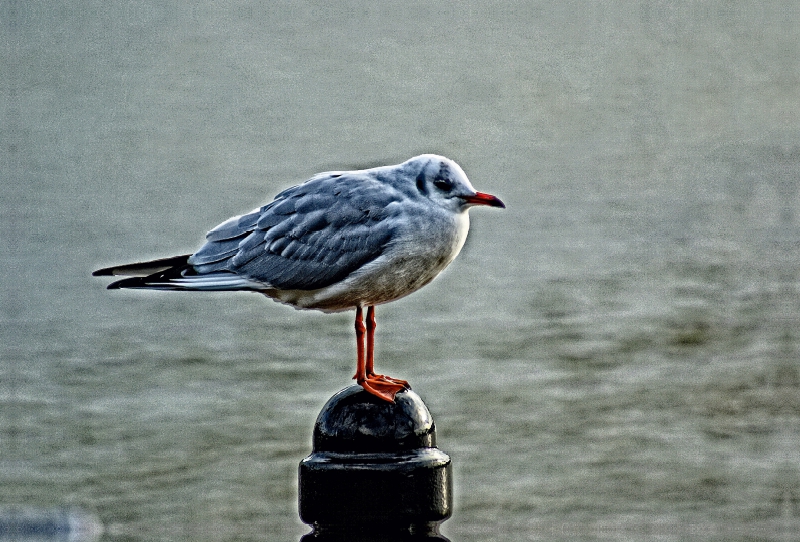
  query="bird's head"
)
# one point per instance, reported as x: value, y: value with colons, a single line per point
x: 444, y: 182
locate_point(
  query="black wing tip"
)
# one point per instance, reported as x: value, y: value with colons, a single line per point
x: 134, y: 268
x: 132, y: 282
x: 140, y: 283
x: 160, y: 280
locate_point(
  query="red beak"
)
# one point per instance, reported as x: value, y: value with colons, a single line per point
x: 482, y: 198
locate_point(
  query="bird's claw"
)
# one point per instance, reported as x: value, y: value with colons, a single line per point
x: 384, y: 387
x: 391, y: 380
x: 384, y: 378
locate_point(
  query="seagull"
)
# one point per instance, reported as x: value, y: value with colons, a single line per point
x: 342, y: 240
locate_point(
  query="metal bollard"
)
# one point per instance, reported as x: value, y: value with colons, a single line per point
x: 375, y: 473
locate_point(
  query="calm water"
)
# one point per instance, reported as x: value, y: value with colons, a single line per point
x: 615, y: 356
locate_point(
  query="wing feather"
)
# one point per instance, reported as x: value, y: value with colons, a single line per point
x: 236, y: 226
x: 222, y: 250
x: 309, y: 237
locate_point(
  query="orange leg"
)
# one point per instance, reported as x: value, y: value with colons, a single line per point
x: 378, y: 385
x: 370, y: 362
x: 371, y: 340
x: 361, y: 371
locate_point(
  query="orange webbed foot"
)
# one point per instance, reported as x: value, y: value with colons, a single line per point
x: 385, y: 378
x: 383, y: 387
x: 390, y: 380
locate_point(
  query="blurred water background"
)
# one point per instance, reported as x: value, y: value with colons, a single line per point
x: 615, y: 356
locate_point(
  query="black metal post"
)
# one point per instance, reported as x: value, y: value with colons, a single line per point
x: 375, y: 473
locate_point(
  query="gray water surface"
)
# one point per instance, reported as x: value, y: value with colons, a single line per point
x: 614, y: 356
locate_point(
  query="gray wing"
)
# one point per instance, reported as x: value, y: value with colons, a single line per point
x: 311, y: 236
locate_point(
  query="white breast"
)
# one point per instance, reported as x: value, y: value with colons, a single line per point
x: 411, y: 261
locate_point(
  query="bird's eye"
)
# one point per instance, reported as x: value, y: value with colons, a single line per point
x: 443, y: 184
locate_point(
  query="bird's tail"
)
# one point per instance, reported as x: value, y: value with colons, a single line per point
x: 175, y: 273
x: 152, y: 275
